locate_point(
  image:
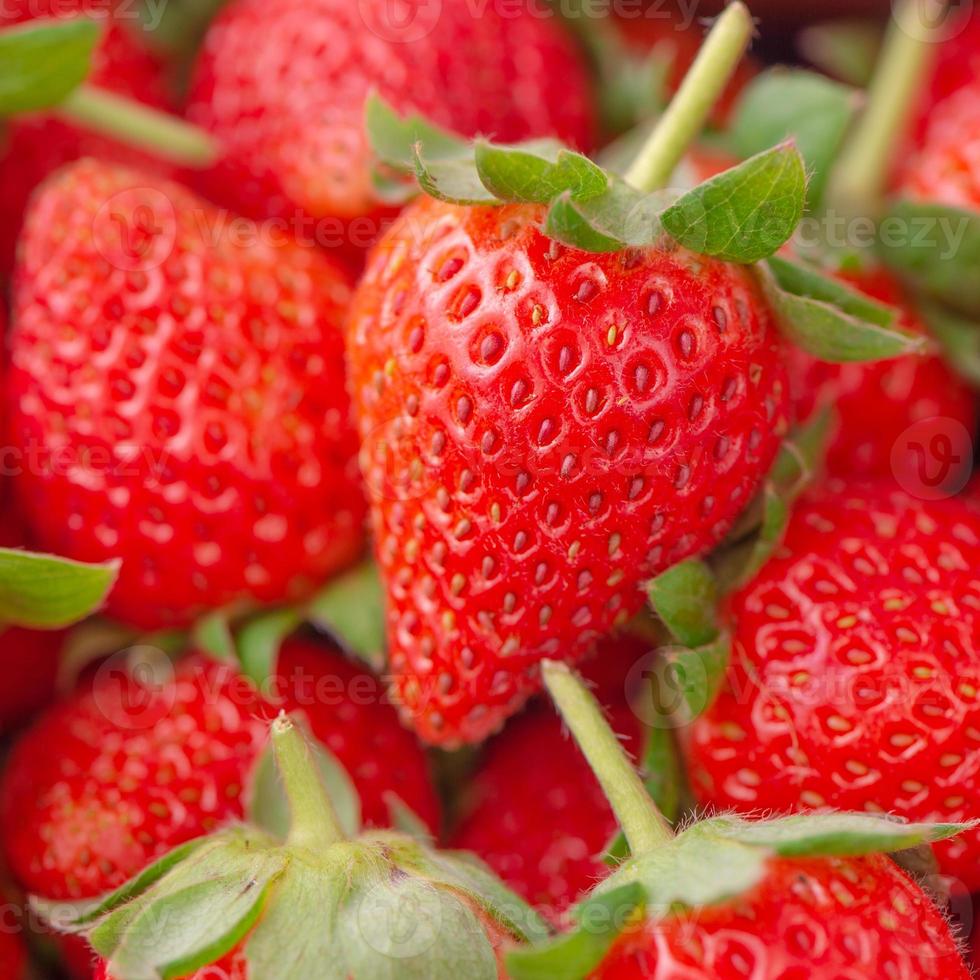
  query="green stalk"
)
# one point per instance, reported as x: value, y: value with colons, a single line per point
x: 861, y: 171
x: 643, y: 824
x: 688, y: 111
x: 139, y: 125
x: 314, y: 820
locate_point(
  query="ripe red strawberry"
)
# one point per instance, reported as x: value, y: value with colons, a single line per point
x: 945, y: 168
x: 726, y: 898
x: 821, y: 918
x: 377, y: 903
x: 32, y: 147
x: 177, y: 394
x: 534, y: 811
x: 855, y: 679
x: 141, y: 768
x: 876, y: 403
x: 282, y: 84
x: 13, y: 956
x: 543, y: 430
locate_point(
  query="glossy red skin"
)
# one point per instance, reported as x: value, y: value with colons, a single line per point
x: 80, y: 821
x: 282, y: 84
x: 875, y: 403
x: 610, y: 453
x: 809, y: 919
x: 946, y: 166
x: 13, y: 957
x: 196, y: 390
x: 32, y: 147
x: 533, y: 811
x: 856, y: 670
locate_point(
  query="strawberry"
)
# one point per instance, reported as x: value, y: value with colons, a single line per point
x: 856, y: 669
x: 282, y: 83
x: 727, y: 898
x: 560, y: 426
x: 533, y: 810
x: 945, y: 169
x: 32, y: 147
x: 142, y: 766
x: 177, y: 393
x: 261, y: 904
x: 13, y: 956
x: 877, y: 403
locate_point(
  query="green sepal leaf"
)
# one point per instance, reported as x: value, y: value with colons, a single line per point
x: 576, y: 954
x: 685, y: 597
x: 212, y: 634
x: 746, y: 213
x: 42, y: 62
x: 619, y: 218
x: 843, y: 48
x: 47, y: 592
x: 696, y: 674
x: 936, y: 249
x: 451, y: 178
x: 785, y: 104
x: 837, y: 834
x: 537, y: 172
x: 405, y: 820
x: 958, y: 336
x: 269, y: 806
x: 260, y: 640
x: 394, y: 138
x: 352, y: 609
x: 830, y: 320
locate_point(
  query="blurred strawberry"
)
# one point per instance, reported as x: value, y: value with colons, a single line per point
x: 282, y: 84
x: 32, y: 147
x: 13, y: 956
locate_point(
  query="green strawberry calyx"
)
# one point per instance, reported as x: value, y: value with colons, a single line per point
x: 316, y: 900
x: 744, y: 215
x: 44, y: 67
x: 708, y: 863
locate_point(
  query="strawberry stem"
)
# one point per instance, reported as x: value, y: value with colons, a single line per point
x: 314, y: 820
x: 643, y: 824
x: 140, y: 126
x: 861, y: 171
x: 703, y: 85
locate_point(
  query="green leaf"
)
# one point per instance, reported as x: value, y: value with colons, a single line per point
x: 394, y: 138
x: 621, y: 217
x: 936, y: 249
x: 260, y: 640
x: 269, y: 808
x: 697, y: 674
x: 44, y: 61
x: 212, y: 635
x: 830, y: 320
x: 824, y: 834
x: 685, y: 597
x: 451, y: 178
x: 785, y: 104
x: 352, y: 609
x: 959, y: 338
x: 537, y: 172
x: 746, y: 213
x: 405, y: 819
x: 661, y: 771
x: 406, y: 928
x: 46, y: 592
x: 576, y: 954
x: 846, y: 49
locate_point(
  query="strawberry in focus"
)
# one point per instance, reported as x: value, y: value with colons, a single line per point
x: 543, y: 429
x: 176, y: 394
x: 875, y: 404
x: 856, y: 669
x: 534, y: 811
x: 145, y: 765
x: 282, y: 84
x: 33, y: 147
